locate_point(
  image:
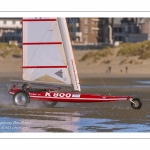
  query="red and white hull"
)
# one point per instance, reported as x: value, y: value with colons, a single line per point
x: 71, y: 97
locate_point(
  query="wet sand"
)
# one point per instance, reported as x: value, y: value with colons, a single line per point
x: 78, y: 117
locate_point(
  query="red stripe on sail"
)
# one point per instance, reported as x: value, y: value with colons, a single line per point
x: 41, y: 43
x: 28, y: 67
x: 39, y: 19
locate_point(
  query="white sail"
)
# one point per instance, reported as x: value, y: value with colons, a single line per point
x: 47, y: 52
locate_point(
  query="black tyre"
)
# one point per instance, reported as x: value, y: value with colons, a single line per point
x: 137, y: 103
x: 21, y: 98
x: 49, y: 104
x: 25, y: 87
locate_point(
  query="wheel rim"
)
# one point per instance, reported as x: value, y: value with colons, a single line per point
x: 136, y: 104
x: 20, y: 99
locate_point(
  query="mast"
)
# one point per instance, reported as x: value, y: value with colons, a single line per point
x: 69, y: 53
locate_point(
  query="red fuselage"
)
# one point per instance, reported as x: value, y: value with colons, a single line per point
x: 70, y: 96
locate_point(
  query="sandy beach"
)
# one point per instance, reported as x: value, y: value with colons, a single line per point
x: 11, y: 67
x: 89, y: 68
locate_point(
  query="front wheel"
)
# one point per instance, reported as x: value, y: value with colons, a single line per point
x: 136, y: 103
x: 21, y: 98
x: 49, y: 104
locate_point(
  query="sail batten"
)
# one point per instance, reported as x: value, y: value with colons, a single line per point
x: 43, y: 67
x: 41, y: 43
x: 39, y: 20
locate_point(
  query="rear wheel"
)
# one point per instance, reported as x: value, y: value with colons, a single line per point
x: 21, y: 98
x: 49, y: 104
x: 136, y: 104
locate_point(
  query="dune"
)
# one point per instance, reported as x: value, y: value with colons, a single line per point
x: 11, y: 66
x: 121, y: 66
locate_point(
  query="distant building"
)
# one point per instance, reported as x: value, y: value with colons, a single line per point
x: 130, y: 30
x: 144, y: 25
x: 90, y: 31
x: 82, y: 30
x: 11, y: 30
x: 87, y: 31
